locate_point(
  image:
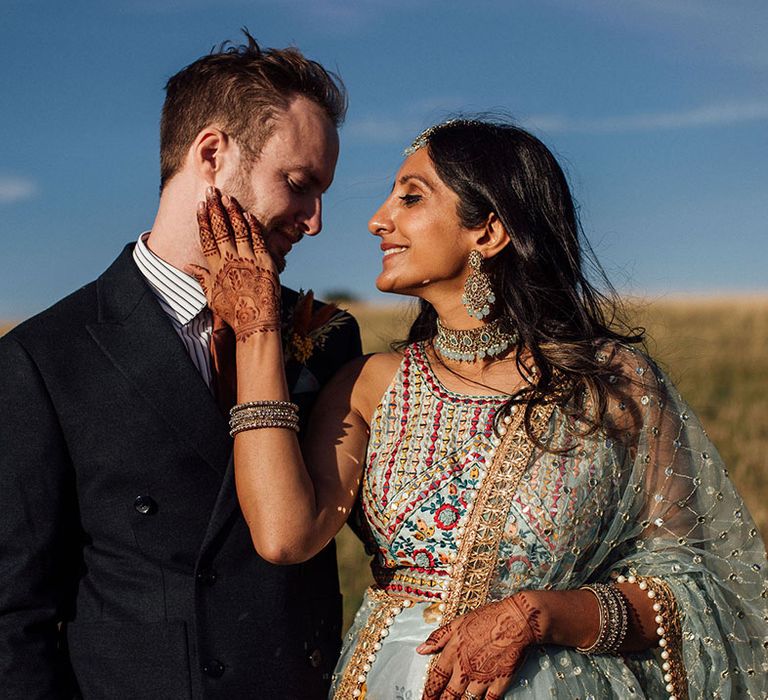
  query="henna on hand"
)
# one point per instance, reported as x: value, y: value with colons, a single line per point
x: 241, y: 284
x: 436, y: 640
x: 207, y: 241
x: 246, y: 296
x: 436, y: 682
x: 220, y: 220
x: 256, y: 233
x: 492, y: 641
x: 485, y: 646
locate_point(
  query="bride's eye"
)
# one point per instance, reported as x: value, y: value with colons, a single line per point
x: 410, y: 199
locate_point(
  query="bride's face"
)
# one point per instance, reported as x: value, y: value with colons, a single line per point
x: 424, y: 245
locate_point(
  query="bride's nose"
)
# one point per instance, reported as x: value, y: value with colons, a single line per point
x: 380, y: 222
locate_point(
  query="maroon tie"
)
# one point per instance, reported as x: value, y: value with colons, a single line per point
x: 223, y: 367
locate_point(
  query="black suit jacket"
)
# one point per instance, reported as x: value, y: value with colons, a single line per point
x: 126, y: 568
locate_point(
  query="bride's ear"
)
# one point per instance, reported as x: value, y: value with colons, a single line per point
x: 492, y: 238
x: 212, y: 154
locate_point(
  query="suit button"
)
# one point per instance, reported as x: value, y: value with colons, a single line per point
x: 316, y: 658
x: 145, y: 505
x: 206, y: 576
x: 213, y: 668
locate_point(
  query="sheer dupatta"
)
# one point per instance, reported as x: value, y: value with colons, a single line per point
x: 661, y: 505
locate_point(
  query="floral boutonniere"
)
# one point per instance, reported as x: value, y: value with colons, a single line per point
x: 306, y: 330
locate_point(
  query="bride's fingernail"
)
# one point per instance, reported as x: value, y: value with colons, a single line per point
x: 421, y: 648
x: 211, y: 190
x: 225, y: 200
x: 201, y: 206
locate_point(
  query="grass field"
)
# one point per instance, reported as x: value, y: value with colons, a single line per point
x: 716, y: 350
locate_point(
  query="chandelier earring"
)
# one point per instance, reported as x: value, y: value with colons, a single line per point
x: 478, y: 291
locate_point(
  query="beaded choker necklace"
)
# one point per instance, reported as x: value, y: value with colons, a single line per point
x: 473, y: 344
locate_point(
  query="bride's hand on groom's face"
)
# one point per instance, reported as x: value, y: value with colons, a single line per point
x: 240, y: 279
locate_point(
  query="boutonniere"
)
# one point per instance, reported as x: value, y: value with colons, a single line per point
x: 306, y: 330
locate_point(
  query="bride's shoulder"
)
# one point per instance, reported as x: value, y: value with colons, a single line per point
x: 366, y: 378
x: 377, y: 372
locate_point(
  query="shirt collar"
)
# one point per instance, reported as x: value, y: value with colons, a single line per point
x: 180, y: 295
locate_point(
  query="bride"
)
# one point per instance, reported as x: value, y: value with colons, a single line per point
x: 548, y: 517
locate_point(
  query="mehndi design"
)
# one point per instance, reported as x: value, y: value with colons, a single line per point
x: 242, y: 284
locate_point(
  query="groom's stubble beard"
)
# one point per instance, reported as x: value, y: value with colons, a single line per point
x: 239, y: 187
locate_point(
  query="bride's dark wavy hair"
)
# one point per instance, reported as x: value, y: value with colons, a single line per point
x: 540, y: 277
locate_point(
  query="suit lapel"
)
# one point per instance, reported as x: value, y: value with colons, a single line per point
x: 138, y: 338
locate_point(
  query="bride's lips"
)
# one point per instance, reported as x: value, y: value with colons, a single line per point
x: 392, y: 250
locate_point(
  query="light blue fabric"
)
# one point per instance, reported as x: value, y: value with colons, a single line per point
x: 653, y: 497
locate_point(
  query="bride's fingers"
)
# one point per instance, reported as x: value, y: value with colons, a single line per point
x: 476, y: 689
x: 436, y: 641
x: 239, y: 226
x: 257, y: 233
x: 222, y: 232
x: 497, y: 689
x: 436, y: 682
x: 207, y: 241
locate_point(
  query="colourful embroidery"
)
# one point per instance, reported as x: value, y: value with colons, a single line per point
x: 428, y: 452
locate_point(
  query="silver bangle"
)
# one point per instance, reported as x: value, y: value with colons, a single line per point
x: 263, y: 404
x: 614, y: 619
x: 255, y: 415
x: 259, y: 424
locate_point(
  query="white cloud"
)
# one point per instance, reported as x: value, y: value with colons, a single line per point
x: 723, y: 114
x: 15, y: 189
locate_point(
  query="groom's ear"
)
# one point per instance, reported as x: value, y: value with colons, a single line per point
x: 211, y: 153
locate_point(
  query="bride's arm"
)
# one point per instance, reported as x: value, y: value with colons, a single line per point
x: 292, y: 513
x: 295, y: 505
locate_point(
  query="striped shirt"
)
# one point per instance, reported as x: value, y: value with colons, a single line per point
x: 183, y: 300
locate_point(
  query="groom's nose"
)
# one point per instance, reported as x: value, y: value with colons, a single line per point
x: 314, y: 222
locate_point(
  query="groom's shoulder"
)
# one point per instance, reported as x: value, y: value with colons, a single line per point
x: 65, y: 318
x: 58, y: 321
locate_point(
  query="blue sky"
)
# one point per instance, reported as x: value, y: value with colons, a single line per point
x: 658, y: 110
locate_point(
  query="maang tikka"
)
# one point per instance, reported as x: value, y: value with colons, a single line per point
x: 478, y: 292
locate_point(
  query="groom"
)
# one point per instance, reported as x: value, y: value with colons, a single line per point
x: 127, y: 568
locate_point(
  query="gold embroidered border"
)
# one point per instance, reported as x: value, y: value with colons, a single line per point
x: 352, y: 683
x: 476, y: 559
x: 674, y: 636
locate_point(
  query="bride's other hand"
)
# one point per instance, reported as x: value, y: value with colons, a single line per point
x: 241, y: 280
x: 480, y: 651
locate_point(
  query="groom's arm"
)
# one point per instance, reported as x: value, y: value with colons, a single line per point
x: 38, y: 524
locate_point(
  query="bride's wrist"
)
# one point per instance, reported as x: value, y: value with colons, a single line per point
x: 537, y: 615
x: 566, y: 618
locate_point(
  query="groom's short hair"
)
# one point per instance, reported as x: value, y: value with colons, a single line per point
x: 241, y: 89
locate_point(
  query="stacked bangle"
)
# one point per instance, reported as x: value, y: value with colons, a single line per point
x: 614, y: 619
x: 669, y: 631
x: 254, y: 415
